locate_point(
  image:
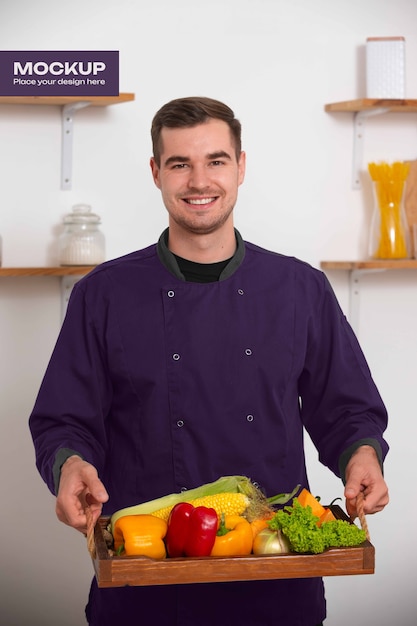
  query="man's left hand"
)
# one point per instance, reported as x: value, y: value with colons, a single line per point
x: 363, y: 473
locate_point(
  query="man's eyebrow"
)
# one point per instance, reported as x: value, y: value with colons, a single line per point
x: 176, y: 158
x: 213, y: 156
x: 220, y: 154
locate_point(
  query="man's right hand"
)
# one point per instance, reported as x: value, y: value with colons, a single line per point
x: 79, y: 487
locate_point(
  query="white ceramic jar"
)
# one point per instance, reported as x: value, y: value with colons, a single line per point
x: 385, y: 68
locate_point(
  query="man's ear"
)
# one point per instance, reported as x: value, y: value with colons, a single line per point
x: 242, y: 167
x: 155, y: 172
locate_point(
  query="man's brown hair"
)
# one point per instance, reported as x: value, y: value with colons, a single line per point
x: 188, y: 112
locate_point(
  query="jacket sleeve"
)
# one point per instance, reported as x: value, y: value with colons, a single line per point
x: 74, y: 397
x: 341, y: 406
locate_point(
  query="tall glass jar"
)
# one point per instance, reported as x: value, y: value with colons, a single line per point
x: 389, y: 236
x: 82, y: 242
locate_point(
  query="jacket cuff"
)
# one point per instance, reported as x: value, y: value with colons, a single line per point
x: 348, y: 453
x: 61, y: 456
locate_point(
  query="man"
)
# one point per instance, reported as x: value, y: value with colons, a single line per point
x: 198, y: 357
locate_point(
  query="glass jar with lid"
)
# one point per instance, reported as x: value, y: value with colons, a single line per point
x: 82, y: 242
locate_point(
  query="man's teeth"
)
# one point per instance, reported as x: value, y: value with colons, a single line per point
x: 200, y: 200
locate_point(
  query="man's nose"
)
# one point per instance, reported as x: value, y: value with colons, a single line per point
x: 199, y: 177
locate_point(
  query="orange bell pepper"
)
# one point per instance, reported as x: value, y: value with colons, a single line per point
x: 140, y: 535
x: 234, y: 537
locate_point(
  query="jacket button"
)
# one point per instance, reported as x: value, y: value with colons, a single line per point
x: 176, y: 357
x: 240, y: 292
x: 180, y: 423
x: 248, y: 351
x: 171, y: 294
x: 250, y: 418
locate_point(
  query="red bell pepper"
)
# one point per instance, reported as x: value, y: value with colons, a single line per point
x: 191, y: 530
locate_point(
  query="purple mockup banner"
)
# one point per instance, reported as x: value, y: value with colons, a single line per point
x: 48, y: 73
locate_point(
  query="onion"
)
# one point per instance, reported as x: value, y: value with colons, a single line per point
x: 269, y: 541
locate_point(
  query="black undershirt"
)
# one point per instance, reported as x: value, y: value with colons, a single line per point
x: 201, y: 272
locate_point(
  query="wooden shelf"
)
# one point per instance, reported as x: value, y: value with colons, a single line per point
x: 100, y: 101
x: 369, y: 104
x: 374, y: 264
x: 356, y: 269
x: 362, y: 109
x: 68, y: 277
x: 69, y: 105
x: 73, y: 270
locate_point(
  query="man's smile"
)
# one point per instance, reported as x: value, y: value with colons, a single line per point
x: 199, y: 201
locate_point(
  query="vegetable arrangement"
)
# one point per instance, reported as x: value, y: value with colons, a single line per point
x: 229, y: 523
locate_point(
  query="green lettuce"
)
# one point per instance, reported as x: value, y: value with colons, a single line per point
x: 299, y: 525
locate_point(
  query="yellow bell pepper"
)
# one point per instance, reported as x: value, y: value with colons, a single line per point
x: 234, y: 537
x: 140, y: 535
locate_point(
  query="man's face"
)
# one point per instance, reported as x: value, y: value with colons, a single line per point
x: 199, y: 176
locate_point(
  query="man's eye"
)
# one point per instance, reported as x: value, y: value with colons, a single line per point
x: 217, y: 163
x: 179, y: 166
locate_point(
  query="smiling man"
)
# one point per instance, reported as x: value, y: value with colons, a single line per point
x: 199, y: 174
x: 203, y: 356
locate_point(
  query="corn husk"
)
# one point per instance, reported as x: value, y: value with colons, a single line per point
x: 258, y: 506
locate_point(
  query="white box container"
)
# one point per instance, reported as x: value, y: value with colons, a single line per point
x: 385, y: 67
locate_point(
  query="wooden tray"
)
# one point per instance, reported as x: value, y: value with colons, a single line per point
x: 116, y: 571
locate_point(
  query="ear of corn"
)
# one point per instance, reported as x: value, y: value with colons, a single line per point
x: 225, y: 484
x: 251, y: 501
x: 222, y: 503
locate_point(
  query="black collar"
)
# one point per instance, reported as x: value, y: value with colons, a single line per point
x: 169, y: 260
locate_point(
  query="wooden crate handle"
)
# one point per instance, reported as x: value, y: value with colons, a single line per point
x: 90, y: 533
x: 361, y: 514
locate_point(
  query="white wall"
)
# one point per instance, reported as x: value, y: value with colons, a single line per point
x: 276, y: 62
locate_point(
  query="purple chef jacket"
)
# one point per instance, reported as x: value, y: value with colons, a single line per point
x: 164, y: 384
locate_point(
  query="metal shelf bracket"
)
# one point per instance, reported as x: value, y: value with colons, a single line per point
x: 355, y: 294
x: 358, y: 141
x: 68, y: 111
x: 67, y: 284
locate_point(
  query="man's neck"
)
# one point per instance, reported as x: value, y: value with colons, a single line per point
x: 209, y: 248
